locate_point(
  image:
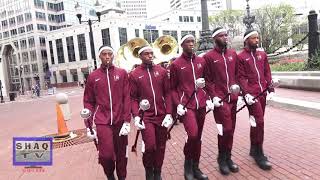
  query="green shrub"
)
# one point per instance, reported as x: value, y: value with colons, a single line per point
x: 297, y: 66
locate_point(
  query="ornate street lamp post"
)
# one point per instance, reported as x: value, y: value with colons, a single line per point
x: 248, y: 19
x: 90, y: 22
x: 205, y: 42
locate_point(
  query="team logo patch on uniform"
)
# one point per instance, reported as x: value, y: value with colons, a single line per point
x: 156, y: 73
x: 215, y: 61
x: 230, y: 58
x: 199, y: 65
x: 259, y: 57
x: 116, y: 77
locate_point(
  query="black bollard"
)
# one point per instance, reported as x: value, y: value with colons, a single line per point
x: 313, y: 39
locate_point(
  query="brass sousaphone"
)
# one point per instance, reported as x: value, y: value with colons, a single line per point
x: 128, y: 56
x: 165, y: 48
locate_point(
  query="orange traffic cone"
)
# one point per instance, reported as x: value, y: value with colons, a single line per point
x: 62, y: 126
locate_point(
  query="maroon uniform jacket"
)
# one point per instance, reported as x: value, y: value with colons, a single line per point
x: 107, y: 96
x: 254, y: 71
x: 151, y: 83
x: 183, y: 74
x: 221, y: 72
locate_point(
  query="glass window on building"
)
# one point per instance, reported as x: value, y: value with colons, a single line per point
x: 39, y: 4
x: 40, y: 16
x: 29, y: 27
x: 20, y: 19
x: 26, y: 69
x: 191, y: 19
x: 13, y: 32
x: 42, y: 27
x: 70, y: 49
x: 171, y: 33
x: 23, y: 44
x: 28, y: 16
x: 34, y: 68
x: 25, y: 57
x: 183, y: 33
x: 21, y: 30
x: 4, y: 24
x: 6, y: 34
x: 105, y: 37
x: 31, y: 42
x: 180, y: 19
x: 137, y: 32
x: 60, y: 51
x: 199, y: 19
x: 12, y: 21
x: 150, y: 35
x: 16, y: 44
x: 42, y: 41
x: 51, y: 52
x: 123, y: 35
x: 82, y: 46
x: 44, y: 55
x: 33, y: 55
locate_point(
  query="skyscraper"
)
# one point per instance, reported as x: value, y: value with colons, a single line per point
x: 134, y: 8
x: 23, y: 29
x: 196, y: 4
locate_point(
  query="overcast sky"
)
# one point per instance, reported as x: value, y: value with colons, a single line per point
x: 160, y: 6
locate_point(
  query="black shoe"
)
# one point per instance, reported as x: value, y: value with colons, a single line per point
x: 149, y: 173
x: 188, y: 169
x: 232, y: 166
x: 262, y: 162
x: 261, y: 159
x: 222, y: 161
x: 157, y: 174
x: 198, y: 174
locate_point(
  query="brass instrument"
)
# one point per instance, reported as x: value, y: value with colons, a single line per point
x: 165, y: 48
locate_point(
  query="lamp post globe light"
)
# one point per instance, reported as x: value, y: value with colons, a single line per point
x: 90, y: 22
x: 20, y: 68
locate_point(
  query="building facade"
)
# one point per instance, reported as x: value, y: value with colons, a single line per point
x: 69, y: 49
x: 23, y: 42
x: 136, y: 9
x: 196, y: 4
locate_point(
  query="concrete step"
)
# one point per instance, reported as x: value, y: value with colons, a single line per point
x: 301, y: 106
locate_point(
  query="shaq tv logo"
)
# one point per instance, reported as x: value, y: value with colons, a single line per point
x: 32, y: 151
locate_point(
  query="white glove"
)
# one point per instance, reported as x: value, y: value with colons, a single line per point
x: 210, y: 105
x: 125, y: 129
x: 180, y: 110
x: 249, y: 99
x: 240, y: 101
x: 220, y: 129
x: 91, y: 136
x: 137, y: 123
x: 167, y: 121
x: 252, y: 121
x: 270, y: 96
x: 216, y: 102
x: 200, y: 83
